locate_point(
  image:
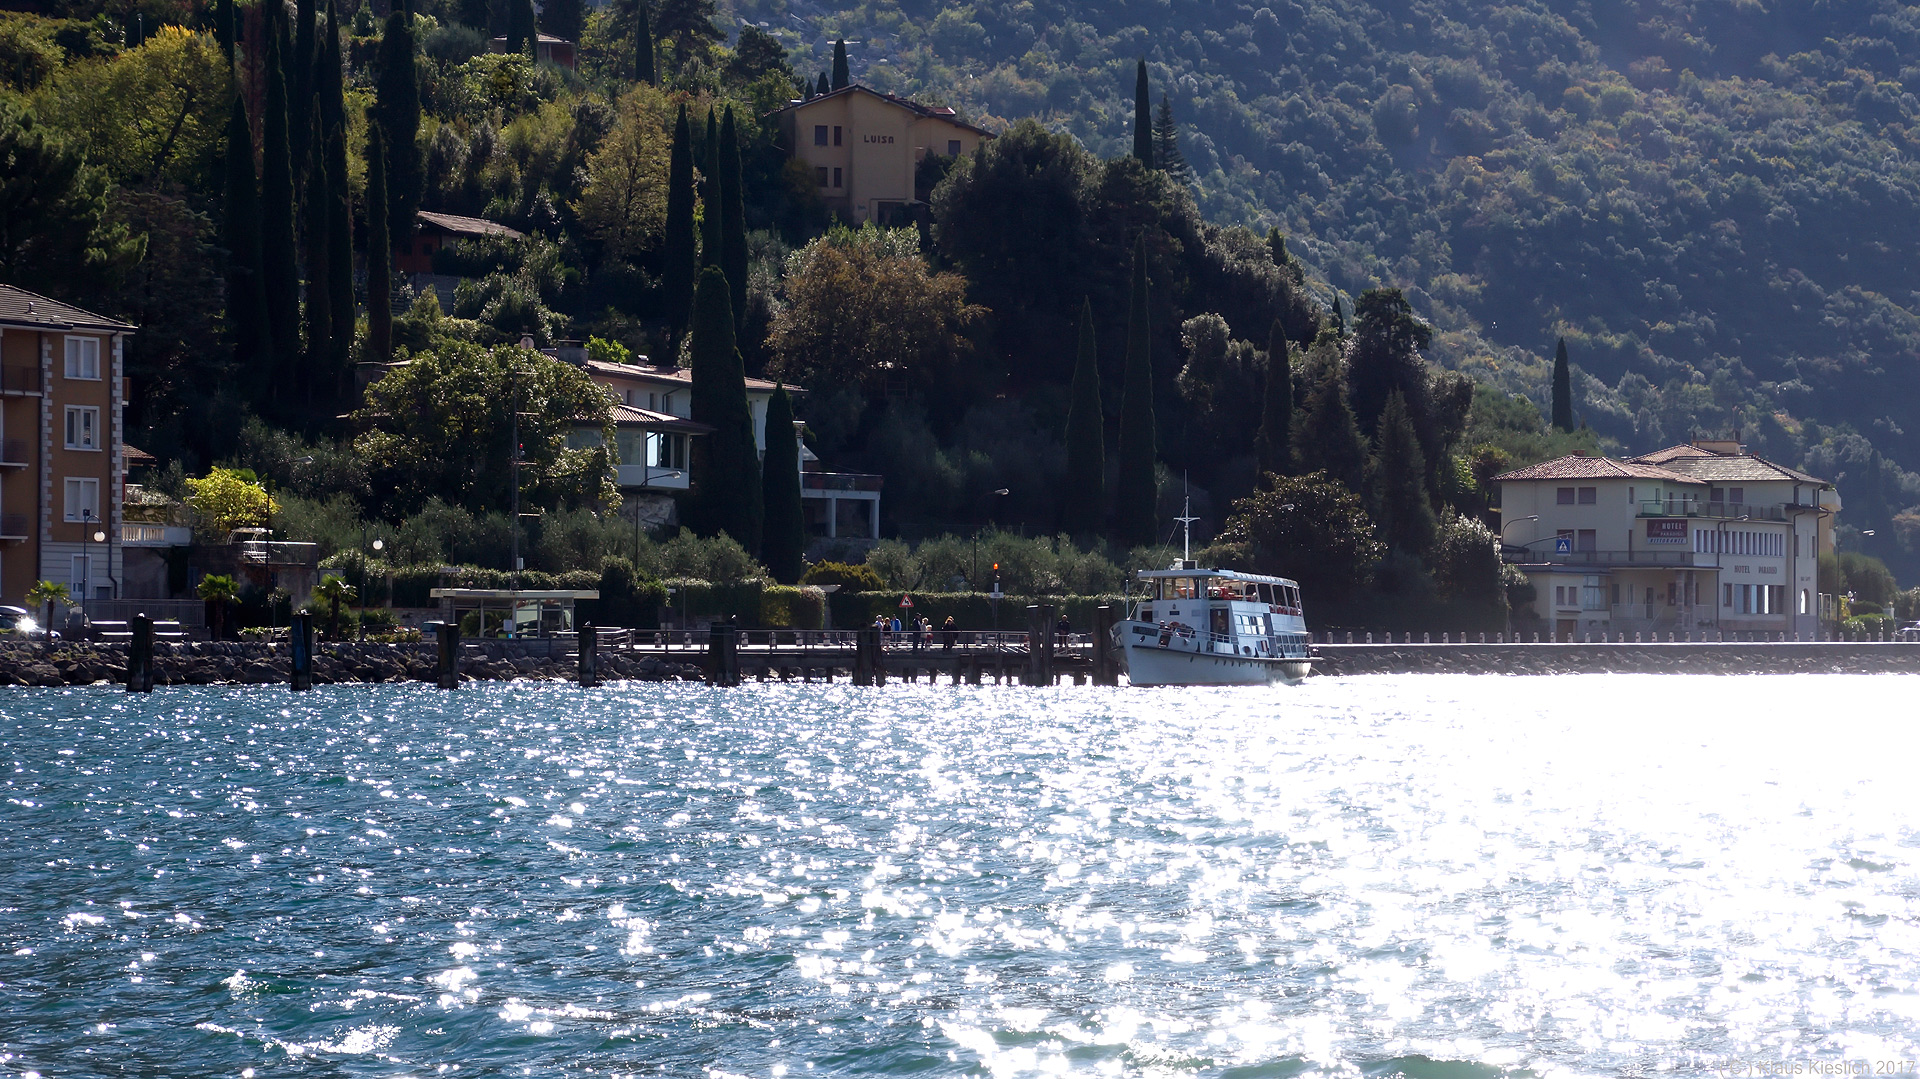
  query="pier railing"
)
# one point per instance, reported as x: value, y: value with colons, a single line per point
x: 828, y: 640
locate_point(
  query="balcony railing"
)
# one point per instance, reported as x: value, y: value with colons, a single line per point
x: 1726, y: 511
x: 13, y: 526
x: 840, y: 481
x: 1640, y: 557
x: 279, y: 553
x: 19, y: 379
x: 13, y: 452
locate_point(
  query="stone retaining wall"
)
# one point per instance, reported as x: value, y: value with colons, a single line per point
x: 1786, y: 657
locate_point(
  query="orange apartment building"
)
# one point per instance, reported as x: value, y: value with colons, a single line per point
x: 61, y: 467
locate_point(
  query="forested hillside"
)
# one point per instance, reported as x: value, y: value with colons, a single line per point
x: 1715, y: 204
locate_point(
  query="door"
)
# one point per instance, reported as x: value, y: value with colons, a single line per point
x: 1563, y: 629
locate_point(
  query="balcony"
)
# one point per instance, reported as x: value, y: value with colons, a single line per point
x: 1722, y: 511
x: 279, y: 553
x: 1533, y: 555
x: 18, y: 380
x: 839, y: 481
x: 13, y: 527
x: 13, y: 453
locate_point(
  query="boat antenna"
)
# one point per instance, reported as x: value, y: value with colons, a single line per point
x: 1186, y: 523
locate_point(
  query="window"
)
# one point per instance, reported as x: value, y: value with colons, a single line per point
x: 1736, y: 494
x: 836, y: 177
x: 836, y: 134
x: 820, y: 174
x: 1589, y: 496
x: 666, y: 403
x: 1727, y: 600
x: 1629, y: 496
x: 83, y: 427
x: 81, y: 575
x: 83, y: 357
x: 83, y: 499
x: 1803, y: 601
x: 1563, y: 496
x: 819, y: 134
x: 1589, y: 540
x: 1616, y: 595
x: 953, y: 147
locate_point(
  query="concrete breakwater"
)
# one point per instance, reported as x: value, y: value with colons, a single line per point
x: 264, y: 663
x: 1782, y: 657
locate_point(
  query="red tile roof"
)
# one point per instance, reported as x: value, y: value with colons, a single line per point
x: 18, y: 307
x: 1577, y: 467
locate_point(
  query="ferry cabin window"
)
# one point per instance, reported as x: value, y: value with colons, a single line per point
x: 1176, y: 588
x: 1266, y: 594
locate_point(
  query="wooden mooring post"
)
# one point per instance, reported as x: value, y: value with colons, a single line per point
x: 446, y: 669
x: 1106, y: 668
x: 140, y: 656
x: 1039, y: 667
x: 723, y: 655
x: 589, y: 655
x: 300, y: 651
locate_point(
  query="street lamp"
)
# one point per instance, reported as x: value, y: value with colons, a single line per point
x: 1515, y: 521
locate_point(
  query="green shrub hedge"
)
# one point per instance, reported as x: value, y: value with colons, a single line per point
x: 970, y: 610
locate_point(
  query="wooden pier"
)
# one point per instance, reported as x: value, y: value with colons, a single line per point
x: 1036, y: 656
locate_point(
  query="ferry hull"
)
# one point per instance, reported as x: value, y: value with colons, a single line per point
x: 1149, y: 664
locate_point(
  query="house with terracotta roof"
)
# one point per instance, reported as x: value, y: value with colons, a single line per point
x: 863, y: 149
x: 1701, y: 541
x: 62, y: 459
x: 654, y: 428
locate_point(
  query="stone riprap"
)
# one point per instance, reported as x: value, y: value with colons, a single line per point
x: 1785, y: 657
x: 69, y: 663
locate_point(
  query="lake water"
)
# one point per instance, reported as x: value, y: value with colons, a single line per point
x: 1437, y: 876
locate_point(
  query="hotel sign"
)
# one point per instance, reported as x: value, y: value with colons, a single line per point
x: 1667, y: 530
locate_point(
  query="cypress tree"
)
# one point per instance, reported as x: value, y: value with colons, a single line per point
x: 240, y: 230
x: 398, y: 105
x: 785, y: 543
x: 339, y: 259
x: 677, y: 248
x: 379, y: 249
x: 1166, y: 144
x: 1277, y: 247
x: 224, y: 29
x: 319, y: 273
x: 733, y: 222
x: 842, y: 75
x: 643, y: 68
x: 279, y: 271
x: 727, y: 471
x: 1142, y: 117
x: 330, y: 84
x: 521, y: 29
x: 1562, y: 388
x: 1274, y: 445
x: 1339, y: 319
x: 824, y: 86
x: 1134, y: 488
x: 300, y: 66
x: 1328, y: 437
x: 1085, y: 492
x: 1399, y: 487
x: 710, y: 195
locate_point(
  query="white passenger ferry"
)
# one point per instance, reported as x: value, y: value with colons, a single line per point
x: 1187, y: 626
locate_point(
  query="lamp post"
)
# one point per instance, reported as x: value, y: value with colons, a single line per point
x: 86, y: 557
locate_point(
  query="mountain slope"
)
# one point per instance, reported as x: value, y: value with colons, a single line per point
x: 1714, y: 203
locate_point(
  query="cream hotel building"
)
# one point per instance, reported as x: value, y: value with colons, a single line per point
x: 864, y: 146
x: 1700, y: 541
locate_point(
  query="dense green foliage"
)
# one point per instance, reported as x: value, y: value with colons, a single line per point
x: 1083, y: 493
x: 726, y: 466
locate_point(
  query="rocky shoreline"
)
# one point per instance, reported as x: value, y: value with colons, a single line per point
x: 253, y: 663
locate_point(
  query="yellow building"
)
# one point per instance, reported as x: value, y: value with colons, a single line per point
x: 864, y: 146
x: 61, y: 468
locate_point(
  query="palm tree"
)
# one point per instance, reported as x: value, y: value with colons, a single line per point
x: 218, y: 590
x: 44, y: 595
x: 335, y: 590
